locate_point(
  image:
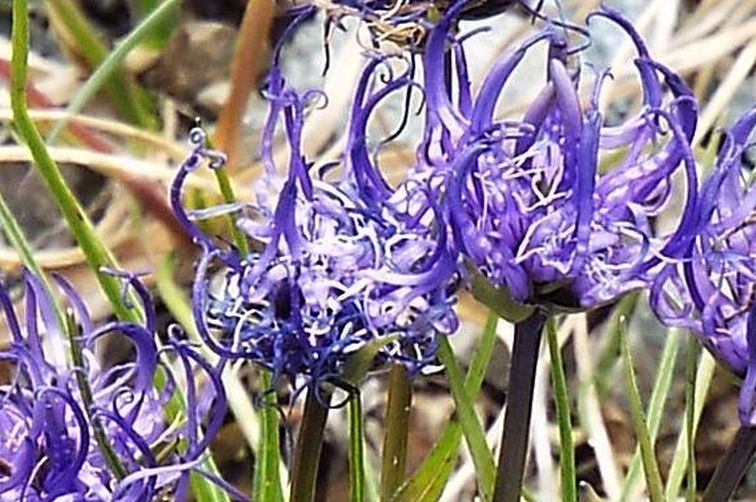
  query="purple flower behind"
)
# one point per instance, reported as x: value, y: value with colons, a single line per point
x: 49, y: 426
x: 528, y: 204
x: 713, y: 291
x: 338, y: 261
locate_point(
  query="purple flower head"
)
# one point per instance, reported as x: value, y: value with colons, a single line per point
x: 55, y: 432
x: 338, y: 260
x: 529, y: 207
x: 713, y: 291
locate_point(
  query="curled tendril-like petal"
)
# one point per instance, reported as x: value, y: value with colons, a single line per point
x: 317, y: 288
x: 124, y: 488
x: 45, y: 420
x: 61, y: 479
x: 713, y: 291
x: 528, y: 206
x: 146, y: 361
x: 131, y: 280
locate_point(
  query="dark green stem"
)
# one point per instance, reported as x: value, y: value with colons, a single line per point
x: 514, y: 442
x: 394, y: 460
x: 356, y: 449
x: 732, y: 467
x: 304, y: 473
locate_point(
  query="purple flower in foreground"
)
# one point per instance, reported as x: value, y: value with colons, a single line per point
x: 337, y: 262
x: 713, y: 291
x: 55, y: 433
x: 528, y: 205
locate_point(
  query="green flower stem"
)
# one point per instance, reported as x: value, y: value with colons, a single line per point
x: 304, y: 473
x: 732, y: 467
x: 20, y: 40
x: 266, y: 483
x: 514, y: 443
x: 562, y: 399
x: 356, y: 449
x: 267, y: 479
x: 394, y: 456
x: 97, y: 255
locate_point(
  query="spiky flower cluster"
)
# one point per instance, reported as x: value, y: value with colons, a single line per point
x: 713, y: 290
x: 526, y: 200
x: 82, y: 431
x: 336, y: 263
x: 341, y: 258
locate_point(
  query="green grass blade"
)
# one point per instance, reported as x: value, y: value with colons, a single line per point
x: 693, y: 350
x: 659, y: 395
x: 162, y: 32
x: 17, y: 239
x: 473, y: 431
x: 607, y: 360
x: 203, y: 489
x: 481, y: 357
x: 429, y: 479
x: 229, y: 197
x: 677, y: 471
x: 356, y: 449
x: 96, y: 253
x: 650, y: 466
x: 567, y: 470
x: 131, y: 101
x: 109, y: 67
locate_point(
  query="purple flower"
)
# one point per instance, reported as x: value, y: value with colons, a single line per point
x: 713, y: 290
x: 55, y: 432
x: 338, y: 261
x: 528, y: 205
